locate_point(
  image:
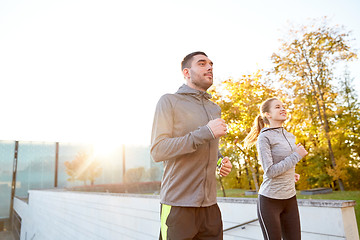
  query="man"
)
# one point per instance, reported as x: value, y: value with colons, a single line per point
x: 185, y: 136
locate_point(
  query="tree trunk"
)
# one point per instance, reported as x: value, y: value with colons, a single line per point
x: 247, y: 175
x: 331, y: 152
x: 254, y: 177
x: 323, y: 118
x: 257, y: 170
x: 251, y: 169
x: 327, y: 131
x: 222, y: 186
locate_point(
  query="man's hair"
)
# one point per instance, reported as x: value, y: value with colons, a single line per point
x: 186, y: 62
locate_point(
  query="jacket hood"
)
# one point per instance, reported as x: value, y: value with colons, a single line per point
x: 186, y: 90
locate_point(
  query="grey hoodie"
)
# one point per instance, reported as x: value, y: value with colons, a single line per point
x: 276, y: 150
x: 182, y: 140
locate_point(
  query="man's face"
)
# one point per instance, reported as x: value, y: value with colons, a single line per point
x: 200, y: 75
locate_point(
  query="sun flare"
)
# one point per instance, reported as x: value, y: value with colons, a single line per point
x: 105, y: 148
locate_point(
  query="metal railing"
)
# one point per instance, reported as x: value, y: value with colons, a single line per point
x: 240, y: 225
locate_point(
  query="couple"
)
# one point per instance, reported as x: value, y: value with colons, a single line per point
x: 185, y: 137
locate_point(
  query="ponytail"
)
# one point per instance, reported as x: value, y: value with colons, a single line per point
x: 259, y: 123
x: 251, y: 138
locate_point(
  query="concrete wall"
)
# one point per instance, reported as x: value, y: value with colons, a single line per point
x: 53, y: 215
x: 320, y: 219
x: 62, y: 215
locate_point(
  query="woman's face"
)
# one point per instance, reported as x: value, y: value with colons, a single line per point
x: 277, y: 111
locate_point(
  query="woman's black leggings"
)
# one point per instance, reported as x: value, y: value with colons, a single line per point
x: 279, y: 218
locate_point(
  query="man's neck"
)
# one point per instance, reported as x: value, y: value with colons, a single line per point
x: 193, y: 86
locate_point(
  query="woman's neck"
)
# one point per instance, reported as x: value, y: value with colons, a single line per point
x: 276, y: 124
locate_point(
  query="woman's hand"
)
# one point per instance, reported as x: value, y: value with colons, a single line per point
x: 301, y: 150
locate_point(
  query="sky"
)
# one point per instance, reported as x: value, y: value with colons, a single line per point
x: 93, y: 71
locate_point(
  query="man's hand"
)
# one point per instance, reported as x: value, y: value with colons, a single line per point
x: 218, y: 127
x: 225, y: 167
x: 297, y: 177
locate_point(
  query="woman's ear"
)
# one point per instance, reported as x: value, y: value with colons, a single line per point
x: 267, y: 115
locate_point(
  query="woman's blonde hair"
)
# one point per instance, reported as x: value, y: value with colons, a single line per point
x: 259, y: 123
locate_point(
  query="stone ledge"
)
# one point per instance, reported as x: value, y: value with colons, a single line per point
x: 251, y: 192
x: 326, y: 203
x: 316, y: 191
x: 301, y: 202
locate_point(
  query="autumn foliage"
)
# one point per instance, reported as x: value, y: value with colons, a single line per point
x: 84, y: 168
x: 324, y: 113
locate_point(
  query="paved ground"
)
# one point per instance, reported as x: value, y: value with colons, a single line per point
x: 6, y: 236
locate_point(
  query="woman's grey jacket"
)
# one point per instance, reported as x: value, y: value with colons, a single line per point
x: 276, y: 149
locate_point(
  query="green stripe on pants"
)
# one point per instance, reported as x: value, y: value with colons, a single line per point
x: 165, y: 211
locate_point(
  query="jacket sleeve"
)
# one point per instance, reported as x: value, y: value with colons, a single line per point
x: 163, y: 145
x: 270, y: 169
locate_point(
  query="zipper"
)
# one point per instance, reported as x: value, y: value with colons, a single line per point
x: 207, y: 114
x: 209, y: 117
x: 282, y: 130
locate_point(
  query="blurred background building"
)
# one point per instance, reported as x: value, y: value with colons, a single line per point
x: 28, y: 166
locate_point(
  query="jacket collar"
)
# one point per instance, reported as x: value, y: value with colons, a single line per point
x: 186, y: 90
x: 269, y: 129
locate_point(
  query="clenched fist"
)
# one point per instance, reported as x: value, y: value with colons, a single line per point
x: 226, y: 167
x: 301, y: 150
x: 218, y: 127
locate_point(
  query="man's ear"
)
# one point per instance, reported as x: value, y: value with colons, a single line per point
x: 186, y: 73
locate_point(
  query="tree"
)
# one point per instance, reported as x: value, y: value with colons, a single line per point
x: 239, y: 100
x: 305, y: 65
x: 349, y: 113
x: 153, y: 174
x: 134, y: 175
x: 83, y: 168
x: 347, y: 127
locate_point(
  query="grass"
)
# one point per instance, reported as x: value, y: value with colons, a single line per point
x: 338, y: 195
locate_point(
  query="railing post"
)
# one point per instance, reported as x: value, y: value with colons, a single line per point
x: 123, y: 158
x: 13, y: 183
x: 56, y: 164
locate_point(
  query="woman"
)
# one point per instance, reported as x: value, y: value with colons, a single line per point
x: 277, y: 206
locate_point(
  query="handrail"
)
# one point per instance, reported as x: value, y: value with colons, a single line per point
x: 239, y: 225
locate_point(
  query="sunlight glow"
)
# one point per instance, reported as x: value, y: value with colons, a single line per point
x: 105, y: 148
x: 89, y: 70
